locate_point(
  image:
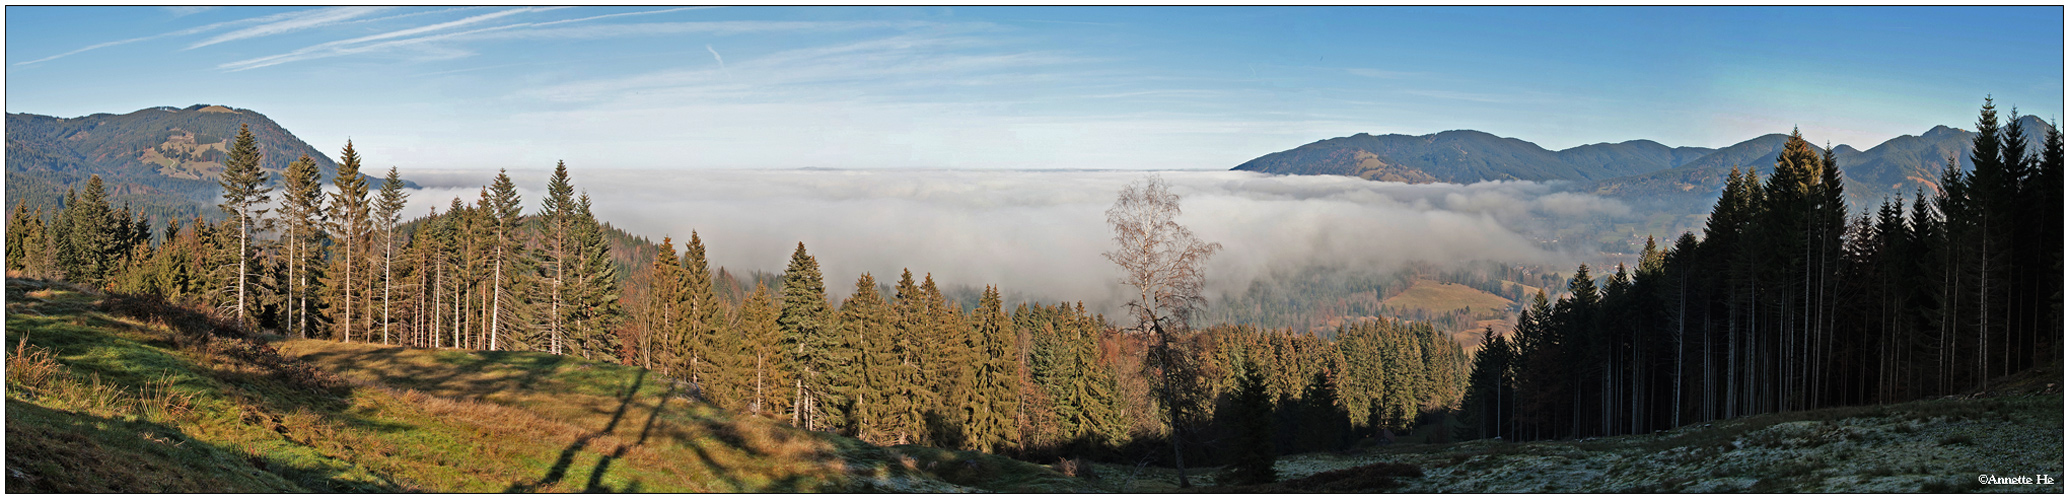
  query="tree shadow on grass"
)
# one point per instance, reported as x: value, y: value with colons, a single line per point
x: 559, y: 470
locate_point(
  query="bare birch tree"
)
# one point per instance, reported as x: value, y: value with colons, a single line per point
x: 1165, y: 263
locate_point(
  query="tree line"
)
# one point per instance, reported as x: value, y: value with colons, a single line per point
x: 1789, y: 301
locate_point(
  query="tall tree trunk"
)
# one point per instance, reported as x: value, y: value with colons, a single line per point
x: 243, y: 255
x: 496, y: 311
x: 350, y: 238
x: 387, y: 280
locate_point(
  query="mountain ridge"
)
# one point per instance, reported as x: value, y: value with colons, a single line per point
x: 1638, y: 168
x: 162, y: 160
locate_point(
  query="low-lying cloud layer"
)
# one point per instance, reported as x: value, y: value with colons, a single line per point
x: 1040, y: 233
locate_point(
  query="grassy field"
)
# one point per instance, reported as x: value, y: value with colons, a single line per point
x: 1436, y: 298
x: 113, y: 395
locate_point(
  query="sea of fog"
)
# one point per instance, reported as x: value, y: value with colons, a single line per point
x: 1040, y: 234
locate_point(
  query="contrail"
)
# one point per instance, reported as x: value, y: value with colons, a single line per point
x: 721, y: 61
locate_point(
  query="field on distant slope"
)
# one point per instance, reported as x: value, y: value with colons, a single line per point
x: 1436, y: 298
x: 114, y: 394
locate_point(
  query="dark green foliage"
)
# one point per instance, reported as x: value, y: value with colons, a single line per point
x: 1249, y: 411
x: 30, y: 246
x: 507, y: 262
x: 349, y: 215
x: 1790, y: 301
x: 592, y: 289
x: 87, y: 236
x: 1491, y: 399
x: 303, y: 216
x: 994, y: 398
x: 817, y: 347
x: 768, y: 382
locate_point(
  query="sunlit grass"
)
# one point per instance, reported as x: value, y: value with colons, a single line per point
x: 99, y: 402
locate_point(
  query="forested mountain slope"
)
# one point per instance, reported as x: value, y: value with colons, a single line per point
x: 161, y: 160
x: 1640, y: 170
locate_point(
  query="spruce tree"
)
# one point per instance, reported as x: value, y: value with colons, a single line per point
x: 763, y: 335
x: 302, y: 212
x: 387, y: 211
x: 990, y: 418
x: 245, y: 189
x: 1249, y: 410
x: 663, y: 298
x: 86, y: 235
x: 811, y: 342
x: 503, y: 207
x: 702, y: 317
x: 349, y: 211
x: 556, y: 219
x: 872, y: 381
x: 593, y: 287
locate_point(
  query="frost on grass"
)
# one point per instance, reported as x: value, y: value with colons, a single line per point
x: 1930, y: 446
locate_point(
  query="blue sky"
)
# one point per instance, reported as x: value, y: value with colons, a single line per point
x: 1027, y: 87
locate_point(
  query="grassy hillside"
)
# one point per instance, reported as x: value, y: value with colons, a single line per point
x: 123, y: 394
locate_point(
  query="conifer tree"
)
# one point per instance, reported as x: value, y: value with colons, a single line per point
x: 989, y: 421
x: 349, y: 212
x: 763, y: 335
x: 503, y: 208
x: 871, y: 381
x: 302, y: 212
x: 28, y: 242
x: 556, y: 220
x: 593, y: 287
x: 86, y: 235
x: 702, y: 318
x: 813, y: 344
x: 943, y: 383
x: 244, y: 189
x: 1250, y: 411
x: 387, y: 211
x: 663, y: 305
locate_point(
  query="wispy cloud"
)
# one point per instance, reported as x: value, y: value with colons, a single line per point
x: 189, y: 31
x: 290, y: 22
x: 872, y: 69
x: 698, y: 27
x: 340, y: 47
x: 367, y: 44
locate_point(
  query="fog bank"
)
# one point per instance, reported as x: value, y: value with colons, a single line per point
x: 1040, y: 233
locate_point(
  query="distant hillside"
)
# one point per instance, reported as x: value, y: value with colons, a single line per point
x: 161, y: 160
x: 1465, y: 156
x: 1642, y: 171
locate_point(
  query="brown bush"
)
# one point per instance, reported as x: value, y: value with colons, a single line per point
x: 32, y: 366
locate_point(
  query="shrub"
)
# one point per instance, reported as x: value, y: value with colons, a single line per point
x: 31, y: 366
